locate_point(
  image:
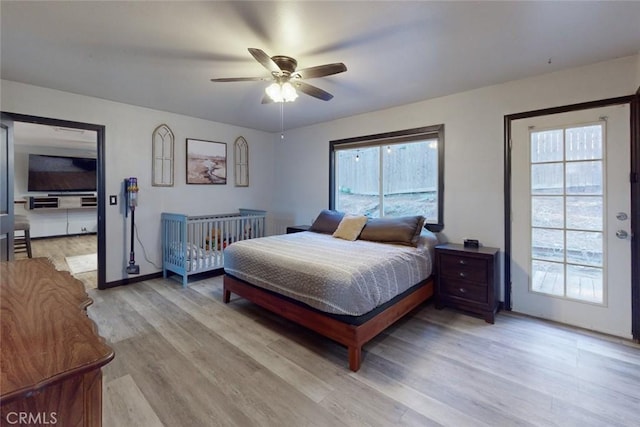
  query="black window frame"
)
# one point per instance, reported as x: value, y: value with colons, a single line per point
x: 396, y: 137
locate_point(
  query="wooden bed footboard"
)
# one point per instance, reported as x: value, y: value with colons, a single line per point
x: 352, y: 336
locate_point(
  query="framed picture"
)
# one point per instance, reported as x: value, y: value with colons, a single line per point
x: 206, y: 162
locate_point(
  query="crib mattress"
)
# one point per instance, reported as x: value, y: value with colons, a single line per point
x: 330, y: 274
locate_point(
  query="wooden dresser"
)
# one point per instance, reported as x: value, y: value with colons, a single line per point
x: 50, y: 352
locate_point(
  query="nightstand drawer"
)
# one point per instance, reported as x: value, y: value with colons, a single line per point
x: 461, y: 289
x: 460, y: 267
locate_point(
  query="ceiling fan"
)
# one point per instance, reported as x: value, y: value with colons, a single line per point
x: 286, y: 79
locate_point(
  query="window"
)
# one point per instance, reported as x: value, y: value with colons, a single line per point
x: 391, y: 174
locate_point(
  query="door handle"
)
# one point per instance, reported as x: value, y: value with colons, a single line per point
x: 621, y: 234
x: 621, y: 216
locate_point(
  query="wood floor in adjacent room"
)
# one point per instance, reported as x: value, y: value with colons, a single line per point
x: 183, y: 358
x: 57, y: 248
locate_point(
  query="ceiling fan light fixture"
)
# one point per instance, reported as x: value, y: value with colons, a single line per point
x: 281, y: 92
x: 289, y: 92
x: 274, y: 92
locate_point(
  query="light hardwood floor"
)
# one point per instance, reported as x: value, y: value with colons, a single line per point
x: 57, y: 248
x: 183, y: 358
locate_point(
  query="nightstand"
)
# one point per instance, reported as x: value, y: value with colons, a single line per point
x: 467, y: 279
x: 297, y: 228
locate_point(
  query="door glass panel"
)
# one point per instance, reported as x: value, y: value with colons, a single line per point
x: 547, y: 244
x: 585, y: 283
x: 567, y: 213
x: 584, y: 213
x: 584, y: 177
x: 547, y: 178
x: 547, y: 277
x: 584, y: 247
x: 584, y: 142
x: 546, y: 146
x: 547, y: 212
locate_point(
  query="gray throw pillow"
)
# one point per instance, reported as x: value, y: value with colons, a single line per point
x: 403, y: 230
x: 327, y: 221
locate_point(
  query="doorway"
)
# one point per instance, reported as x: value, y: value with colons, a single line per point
x: 99, y: 132
x: 6, y: 189
x: 570, y: 213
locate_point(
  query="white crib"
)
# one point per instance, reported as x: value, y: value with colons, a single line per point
x: 195, y: 244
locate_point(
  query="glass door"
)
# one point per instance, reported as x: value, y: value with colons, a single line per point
x: 571, y: 259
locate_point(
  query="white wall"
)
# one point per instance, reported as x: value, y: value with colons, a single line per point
x: 474, y: 147
x: 128, y: 153
x: 638, y: 72
x: 290, y: 178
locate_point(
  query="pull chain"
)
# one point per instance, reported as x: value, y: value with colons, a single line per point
x: 282, y: 120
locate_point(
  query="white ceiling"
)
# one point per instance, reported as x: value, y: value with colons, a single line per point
x: 162, y: 55
x: 36, y: 135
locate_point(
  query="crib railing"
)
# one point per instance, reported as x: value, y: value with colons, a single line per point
x: 195, y: 244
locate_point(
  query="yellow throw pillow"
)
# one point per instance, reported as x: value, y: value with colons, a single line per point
x: 350, y: 227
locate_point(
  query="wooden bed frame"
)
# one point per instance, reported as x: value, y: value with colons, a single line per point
x: 352, y: 336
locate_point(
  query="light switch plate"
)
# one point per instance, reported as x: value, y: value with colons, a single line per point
x: 113, y: 199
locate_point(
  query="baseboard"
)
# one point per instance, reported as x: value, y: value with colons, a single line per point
x: 130, y: 280
x: 157, y: 275
x: 64, y: 235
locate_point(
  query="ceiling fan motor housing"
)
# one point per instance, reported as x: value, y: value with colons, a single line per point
x: 286, y: 63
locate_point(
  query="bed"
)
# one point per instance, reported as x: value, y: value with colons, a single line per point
x: 347, y: 289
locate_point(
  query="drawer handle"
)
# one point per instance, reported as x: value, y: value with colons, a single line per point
x: 462, y: 262
x: 462, y: 290
x: 462, y: 274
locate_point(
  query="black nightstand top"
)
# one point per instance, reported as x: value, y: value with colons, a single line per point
x: 456, y: 247
x: 297, y: 228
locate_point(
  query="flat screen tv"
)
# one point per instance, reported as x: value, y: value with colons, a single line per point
x: 61, y: 173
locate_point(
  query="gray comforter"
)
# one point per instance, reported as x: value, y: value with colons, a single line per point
x: 333, y: 275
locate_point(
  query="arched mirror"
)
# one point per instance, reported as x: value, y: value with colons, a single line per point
x: 162, y: 168
x: 241, y: 160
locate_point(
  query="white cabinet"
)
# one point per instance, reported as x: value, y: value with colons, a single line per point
x: 61, y: 216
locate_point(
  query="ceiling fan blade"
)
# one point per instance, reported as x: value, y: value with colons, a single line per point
x: 322, y: 70
x: 265, y: 60
x: 266, y: 99
x: 316, y: 92
x: 242, y: 79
